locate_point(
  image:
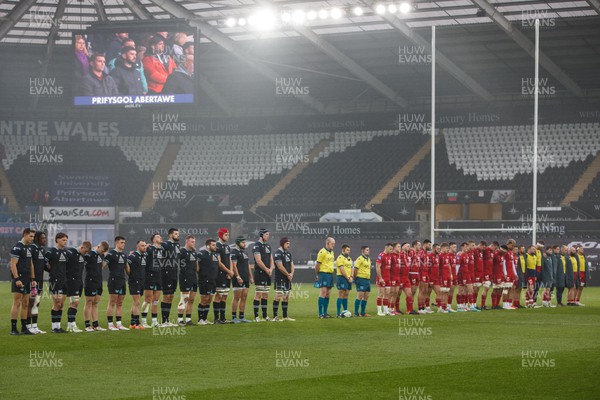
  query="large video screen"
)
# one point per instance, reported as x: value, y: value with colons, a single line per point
x: 133, y: 66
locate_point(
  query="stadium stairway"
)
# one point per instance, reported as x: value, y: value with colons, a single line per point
x: 402, y: 173
x: 293, y: 173
x: 160, y: 174
x: 7, y: 191
x: 584, y: 181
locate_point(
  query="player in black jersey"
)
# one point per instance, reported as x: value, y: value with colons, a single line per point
x: 263, y: 269
x: 57, y: 258
x: 153, y: 279
x: 75, y: 266
x: 39, y: 263
x: 23, y: 278
x: 223, y: 278
x: 188, y: 281
x: 241, y: 282
x: 208, y: 268
x: 169, y: 273
x: 116, y: 261
x: 94, y: 262
x: 136, y: 269
x: 284, y: 273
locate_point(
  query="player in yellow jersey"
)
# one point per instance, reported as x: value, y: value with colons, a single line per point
x: 531, y: 275
x: 582, y: 275
x: 344, y: 279
x: 324, y: 271
x: 361, y: 273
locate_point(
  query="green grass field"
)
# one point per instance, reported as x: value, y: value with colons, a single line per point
x: 521, y: 354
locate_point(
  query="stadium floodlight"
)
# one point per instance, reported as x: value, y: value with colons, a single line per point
x: 286, y: 17
x: 380, y: 9
x: 404, y: 7
x: 392, y: 8
x: 336, y: 13
x: 242, y: 22
x: 311, y: 15
x: 230, y: 22
x: 323, y: 14
x: 265, y: 20
x: 298, y: 16
x: 358, y: 11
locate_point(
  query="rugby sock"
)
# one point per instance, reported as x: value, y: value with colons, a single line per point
x: 110, y: 320
x: 133, y: 321
x: 165, y: 308
x: 363, y: 306
x: 71, y: 313
x: 24, y: 325
x: 223, y: 307
x: 398, y: 302
x: 13, y: 325
x: 154, y: 318
x: 200, y: 311
x: 242, y: 315
x: 188, y: 317
x: 386, y: 304
x: 338, y: 306
x: 284, y: 308
x: 233, y: 315
x: 256, y: 304
x: 179, y: 317
x: 263, y: 307
x: 95, y: 324
x: 87, y: 323
x: 275, y: 308
x: 325, y: 305
x: 470, y: 298
x: 119, y: 323
x: 427, y: 302
x: 409, y: 304
x: 345, y: 304
x: 438, y: 301
x: 320, y: 306
x: 356, y: 305
x: 216, y: 306
x: 34, y: 319
x: 379, y: 305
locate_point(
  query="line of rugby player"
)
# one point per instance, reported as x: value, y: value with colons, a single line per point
x: 417, y: 270
x: 152, y: 273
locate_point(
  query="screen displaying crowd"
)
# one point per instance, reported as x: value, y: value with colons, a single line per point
x: 133, y: 64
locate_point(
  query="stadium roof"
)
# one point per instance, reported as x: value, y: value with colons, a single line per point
x: 351, y: 62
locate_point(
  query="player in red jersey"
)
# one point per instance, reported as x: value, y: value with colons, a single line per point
x: 471, y: 295
x: 488, y: 270
x: 453, y: 249
x: 424, y: 290
x: 478, y: 272
x: 498, y: 276
x: 510, y: 278
x: 405, y: 283
x: 433, y: 267
x: 395, y: 279
x: 462, y: 298
x: 445, y: 258
x: 413, y: 272
x: 383, y: 266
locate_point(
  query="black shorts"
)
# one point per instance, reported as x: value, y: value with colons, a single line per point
x: 207, y: 288
x: 223, y: 281
x: 74, y: 287
x: 244, y: 285
x: 116, y: 286
x: 93, y: 289
x: 153, y: 283
x: 262, y: 280
x: 135, y: 286
x: 169, y: 283
x: 187, y: 285
x: 58, y: 287
x: 283, y: 284
x: 26, y: 288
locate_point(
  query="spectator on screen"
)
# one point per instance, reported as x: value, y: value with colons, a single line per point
x: 157, y: 65
x: 115, y: 44
x: 188, y: 48
x: 179, y: 39
x: 131, y: 43
x: 182, y: 79
x: 81, y: 57
x: 126, y: 73
x: 97, y: 83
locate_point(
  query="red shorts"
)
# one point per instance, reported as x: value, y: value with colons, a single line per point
x: 464, y: 277
x: 404, y: 282
x: 487, y: 277
x: 424, y: 279
x: 498, y: 279
x: 434, y: 277
x: 385, y: 274
x: 445, y: 283
x: 387, y: 283
x: 582, y: 276
x: 478, y: 276
x: 511, y: 278
x: 395, y: 281
x: 414, y: 278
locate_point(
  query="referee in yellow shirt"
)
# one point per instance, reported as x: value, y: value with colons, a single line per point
x: 324, y: 270
x: 344, y: 279
x: 362, y: 277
